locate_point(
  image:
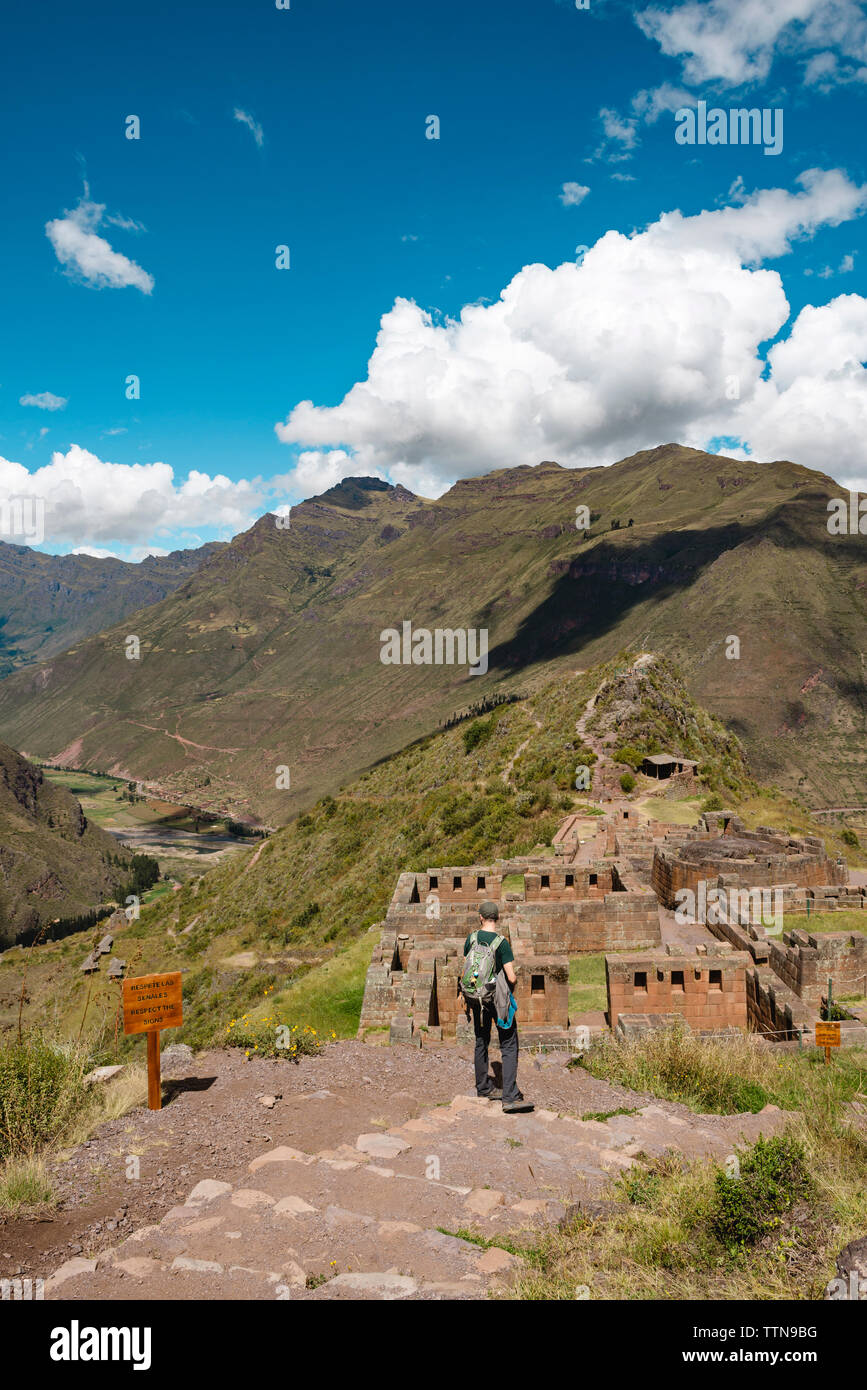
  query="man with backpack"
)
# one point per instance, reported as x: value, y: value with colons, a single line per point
x: 486, y: 985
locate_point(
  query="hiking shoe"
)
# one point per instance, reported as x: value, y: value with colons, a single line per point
x: 512, y: 1107
x: 493, y: 1094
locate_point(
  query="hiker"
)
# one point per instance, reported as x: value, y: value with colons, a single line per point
x: 486, y: 985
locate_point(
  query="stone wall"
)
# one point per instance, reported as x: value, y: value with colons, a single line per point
x: 804, y: 963
x: 765, y: 864
x: 708, y: 989
x: 412, y: 988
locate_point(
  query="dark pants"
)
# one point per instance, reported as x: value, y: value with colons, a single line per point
x: 483, y: 1018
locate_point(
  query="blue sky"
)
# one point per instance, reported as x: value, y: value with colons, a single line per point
x: 307, y: 127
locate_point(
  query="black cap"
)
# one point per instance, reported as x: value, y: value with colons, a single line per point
x: 489, y: 911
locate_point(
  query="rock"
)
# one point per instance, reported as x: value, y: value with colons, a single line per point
x: 851, y: 1281
x: 69, y: 1270
x: 206, y: 1191
x: 388, y: 1286
x: 268, y: 1101
x: 395, y: 1228
x: 293, y: 1206
x: 176, y: 1055
x: 282, y: 1154
x: 484, y: 1200
x: 335, y: 1217
x: 102, y: 1074
x: 381, y: 1145
x: 196, y: 1266
x: 248, y: 1197
x: 494, y: 1261
x: 139, y: 1266
x: 294, y: 1275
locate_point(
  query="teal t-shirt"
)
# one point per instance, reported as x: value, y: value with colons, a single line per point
x: 504, y: 950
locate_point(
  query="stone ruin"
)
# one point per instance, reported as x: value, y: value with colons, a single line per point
x: 564, y: 909
x: 733, y: 976
x: 759, y: 858
x: 706, y: 987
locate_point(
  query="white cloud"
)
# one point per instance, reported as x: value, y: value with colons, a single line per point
x: 734, y: 42
x: 92, y: 503
x: 45, y: 400
x: 316, y: 470
x: 620, y: 134
x: 572, y: 194
x: 638, y: 345
x: 89, y: 257
x: 252, y: 125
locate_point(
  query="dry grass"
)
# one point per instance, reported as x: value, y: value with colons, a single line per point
x: 660, y: 1242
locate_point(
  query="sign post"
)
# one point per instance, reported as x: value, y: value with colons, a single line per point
x: 152, y: 1002
x: 827, y: 1036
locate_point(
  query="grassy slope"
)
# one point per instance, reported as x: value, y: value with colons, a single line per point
x: 270, y: 654
x: 434, y: 803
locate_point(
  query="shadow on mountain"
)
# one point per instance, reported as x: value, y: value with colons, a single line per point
x: 599, y: 587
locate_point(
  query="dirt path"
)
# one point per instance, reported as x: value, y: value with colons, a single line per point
x: 350, y: 1186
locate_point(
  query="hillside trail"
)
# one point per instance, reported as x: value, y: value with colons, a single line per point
x: 507, y: 770
x: 395, y: 1182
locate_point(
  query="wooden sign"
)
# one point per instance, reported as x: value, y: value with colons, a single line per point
x: 827, y: 1036
x: 152, y: 1002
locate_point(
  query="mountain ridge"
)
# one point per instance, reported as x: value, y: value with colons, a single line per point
x: 268, y: 656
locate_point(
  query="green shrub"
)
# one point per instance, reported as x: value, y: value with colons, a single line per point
x: 629, y: 754
x: 627, y: 782
x: 477, y: 733
x: 269, y: 1037
x: 772, y: 1178
x: 712, y: 803
x: 850, y: 838
x: 41, y: 1091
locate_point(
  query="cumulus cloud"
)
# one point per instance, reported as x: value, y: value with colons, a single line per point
x: 653, y: 337
x: 93, y: 503
x: 252, y: 125
x: 572, y: 194
x: 90, y: 258
x: 45, y: 400
x: 735, y: 42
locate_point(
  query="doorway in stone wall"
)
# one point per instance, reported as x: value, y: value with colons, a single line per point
x: 433, y: 1017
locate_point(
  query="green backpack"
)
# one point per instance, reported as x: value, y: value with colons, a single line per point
x: 480, y: 969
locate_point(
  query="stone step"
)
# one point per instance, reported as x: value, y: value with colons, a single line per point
x: 377, y: 1219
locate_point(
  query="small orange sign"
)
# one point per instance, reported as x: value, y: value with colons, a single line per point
x: 827, y: 1034
x: 152, y: 1001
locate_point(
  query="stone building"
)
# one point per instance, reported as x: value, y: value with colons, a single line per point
x: 562, y: 908
x: 706, y: 987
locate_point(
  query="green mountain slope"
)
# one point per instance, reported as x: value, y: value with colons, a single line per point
x: 290, y: 917
x: 269, y: 657
x: 53, y: 862
x: 48, y: 602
